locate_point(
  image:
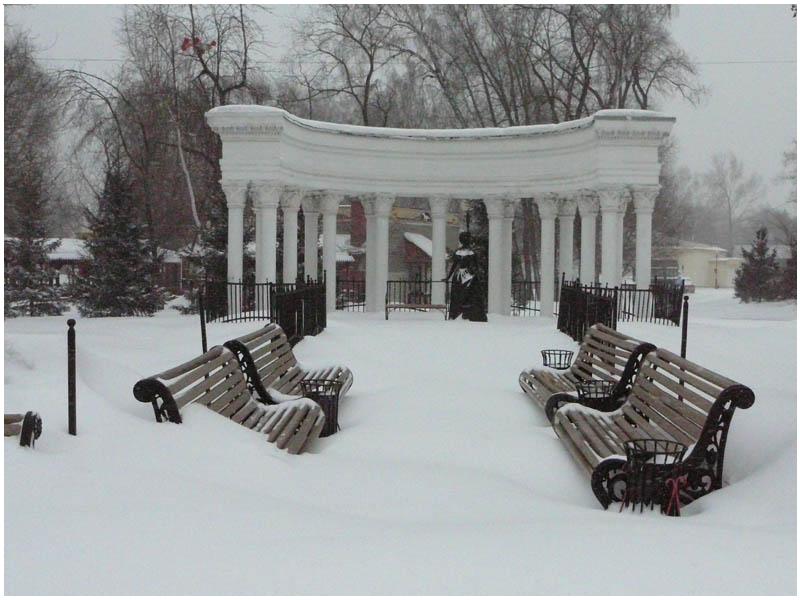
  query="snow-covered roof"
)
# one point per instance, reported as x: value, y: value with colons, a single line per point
x: 420, y: 241
x: 68, y: 249
x: 690, y: 245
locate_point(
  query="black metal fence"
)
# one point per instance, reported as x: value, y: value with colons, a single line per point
x: 299, y: 308
x: 414, y: 294
x: 525, y: 298
x: 351, y: 295
x: 660, y: 303
x: 581, y: 306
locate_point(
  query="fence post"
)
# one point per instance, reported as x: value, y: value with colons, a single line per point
x: 201, y: 307
x: 72, y: 421
x: 684, y: 325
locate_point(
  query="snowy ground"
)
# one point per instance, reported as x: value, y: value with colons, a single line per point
x: 444, y: 478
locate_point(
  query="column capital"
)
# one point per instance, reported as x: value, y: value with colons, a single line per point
x: 439, y: 205
x: 266, y: 194
x: 613, y: 199
x: 644, y: 198
x: 510, y: 207
x: 588, y: 203
x: 567, y: 207
x: 235, y: 192
x: 310, y: 203
x: 329, y: 202
x: 291, y: 198
x: 383, y: 204
x: 547, y: 205
x: 495, y: 205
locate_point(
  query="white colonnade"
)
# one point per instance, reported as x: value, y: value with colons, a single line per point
x: 595, y: 166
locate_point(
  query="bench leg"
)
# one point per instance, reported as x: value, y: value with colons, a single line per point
x: 609, y: 481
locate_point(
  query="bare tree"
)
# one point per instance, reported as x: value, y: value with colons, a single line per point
x: 728, y: 187
x: 347, y: 47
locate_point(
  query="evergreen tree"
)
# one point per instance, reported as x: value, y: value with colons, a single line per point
x: 28, y: 277
x: 120, y: 280
x: 757, y: 278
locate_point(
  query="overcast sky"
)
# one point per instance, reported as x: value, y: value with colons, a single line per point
x: 746, y: 54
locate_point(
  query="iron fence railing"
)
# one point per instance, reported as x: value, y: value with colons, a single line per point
x: 525, y: 298
x: 351, y: 295
x: 299, y: 308
x: 415, y: 294
x: 581, y: 306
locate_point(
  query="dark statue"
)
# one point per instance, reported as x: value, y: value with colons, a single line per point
x: 466, y: 291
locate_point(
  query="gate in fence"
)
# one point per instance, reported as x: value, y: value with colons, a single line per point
x: 581, y: 306
x: 351, y: 295
x: 299, y: 308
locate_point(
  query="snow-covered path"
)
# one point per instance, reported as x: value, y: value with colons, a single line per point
x: 443, y: 479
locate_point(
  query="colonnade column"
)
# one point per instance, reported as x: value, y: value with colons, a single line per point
x: 290, y: 203
x: 612, y: 201
x: 509, y: 209
x: 369, y: 285
x: 566, y: 239
x: 438, y: 206
x: 383, y: 209
x: 266, y: 196
x: 644, y: 200
x: 621, y: 235
x: 311, y: 236
x: 495, y: 210
x: 547, y: 214
x: 588, y: 206
x: 235, y: 198
x: 330, y: 207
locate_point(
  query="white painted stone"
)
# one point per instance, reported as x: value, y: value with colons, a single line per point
x: 588, y: 207
x: 438, y: 206
x: 548, y: 208
x: 311, y: 235
x: 566, y: 239
x: 383, y: 210
x: 644, y: 200
x: 330, y: 207
x: 290, y: 204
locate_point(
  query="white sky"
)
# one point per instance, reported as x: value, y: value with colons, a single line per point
x: 751, y: 109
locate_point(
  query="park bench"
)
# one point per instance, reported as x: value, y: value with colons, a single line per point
x: 671, y: 399
x: 215, y: 380
x: 28, y: 427
x: 271, y: 369
x: 604, y: 354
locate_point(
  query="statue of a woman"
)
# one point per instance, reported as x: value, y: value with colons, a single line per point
x: 466, y: 297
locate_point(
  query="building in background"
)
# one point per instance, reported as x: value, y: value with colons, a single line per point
x: 704, y: 264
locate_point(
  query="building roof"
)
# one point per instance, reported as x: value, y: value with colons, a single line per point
x: 420, y: 241
x: 691, y: 245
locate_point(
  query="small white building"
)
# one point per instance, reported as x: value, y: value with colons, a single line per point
x: 706, y: 265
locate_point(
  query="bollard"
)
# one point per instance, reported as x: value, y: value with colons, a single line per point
x: 201, y: 307
x: 684, y: 325
x: 72, y: 422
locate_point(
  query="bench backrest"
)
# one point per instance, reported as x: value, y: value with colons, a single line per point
x: 266, y: 358
x: 213, y: 379
x: 690, y: 403
x: 610, y: 355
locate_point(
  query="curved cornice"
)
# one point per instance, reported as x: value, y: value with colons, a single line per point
x: 608, y: 148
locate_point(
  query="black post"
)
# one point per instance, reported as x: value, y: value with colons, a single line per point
x: 684, y: 325
x: 201, y: 307
x: 72, y: 424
